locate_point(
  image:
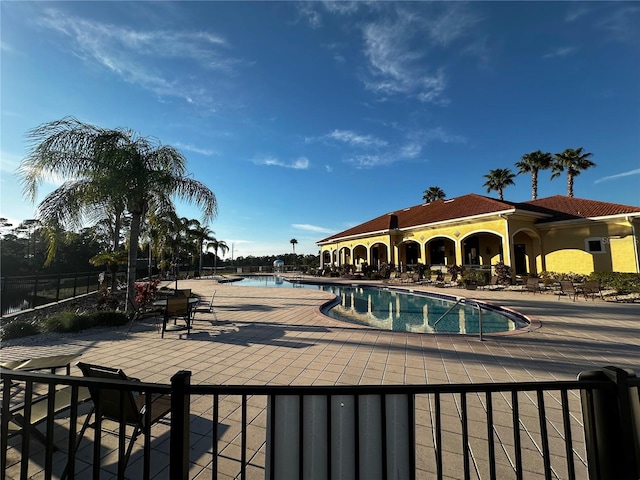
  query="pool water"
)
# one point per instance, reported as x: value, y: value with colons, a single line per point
x: 401, y: 311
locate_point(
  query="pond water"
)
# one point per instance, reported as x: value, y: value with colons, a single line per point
x: 402, y: 311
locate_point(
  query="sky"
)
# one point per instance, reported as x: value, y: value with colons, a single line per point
x: 307, y: 118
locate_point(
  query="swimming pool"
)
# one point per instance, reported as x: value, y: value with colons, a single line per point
x: 402, y: 311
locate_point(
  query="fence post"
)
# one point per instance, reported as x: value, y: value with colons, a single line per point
x: 34, y: 303
x: 611, y: 417
x: 75, y: 283
x: 58, y: 288
x: 179, y: 433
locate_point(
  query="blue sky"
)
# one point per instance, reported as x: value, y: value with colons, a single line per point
x: 308, y: 118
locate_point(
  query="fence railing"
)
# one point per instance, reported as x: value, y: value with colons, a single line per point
x: 588, y: 428
x: 21, y: 293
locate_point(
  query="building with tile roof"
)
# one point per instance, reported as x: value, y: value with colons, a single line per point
x: 557, y: 234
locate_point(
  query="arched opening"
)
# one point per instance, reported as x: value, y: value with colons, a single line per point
x: 526, y: 253
x: 482, y: 249
x: 378, y: 255
x: 440, y: 252
x: 359, y: 257
x: 409, y: 252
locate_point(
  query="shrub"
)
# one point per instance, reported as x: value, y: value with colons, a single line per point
x: 621, y: 283
x: 69, y: 322
x: 474, y: 276
x: 18, y: 329
x: 64, y: 322
x: 503, y: 272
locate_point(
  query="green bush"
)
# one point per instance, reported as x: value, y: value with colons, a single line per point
x: 621, y: 283
x: 478, y: 277
x: 18, y: 329
x: 75, y: 322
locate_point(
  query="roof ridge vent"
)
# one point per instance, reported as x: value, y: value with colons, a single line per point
x: 449, y: 201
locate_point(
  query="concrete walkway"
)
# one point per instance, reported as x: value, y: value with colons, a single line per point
x: 277, y: 336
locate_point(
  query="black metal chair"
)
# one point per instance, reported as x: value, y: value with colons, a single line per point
x: 121, y: 406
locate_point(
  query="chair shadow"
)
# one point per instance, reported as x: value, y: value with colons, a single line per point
x: 201, y: 432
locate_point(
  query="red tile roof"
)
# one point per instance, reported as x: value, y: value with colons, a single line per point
x: 434, y: 212
x: 566, y: 208
x: 551, y: 209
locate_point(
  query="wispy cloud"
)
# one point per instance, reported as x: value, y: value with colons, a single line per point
x: 194, y: 149
x: 619, y: 175
x: 395, y: 68
x: 621, y: 24
x: 301, y: 163
x: 355, y: 139
x: 560, y: 52
x: 311, y: 228
x: 140, y: 57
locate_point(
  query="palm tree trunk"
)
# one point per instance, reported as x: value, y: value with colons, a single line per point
x: 534, y: 184
x: 569, y: 184
x: 133, y: 258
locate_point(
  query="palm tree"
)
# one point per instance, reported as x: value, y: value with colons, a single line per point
x: 532, y: 163
x: 114, y: 167
x: 112, y: 260
x: 293, y: 242
x: 574, y: 161
x: 432, y: 194
x: 201, y: 235
x: 217, y: 245
x: 498, y: 180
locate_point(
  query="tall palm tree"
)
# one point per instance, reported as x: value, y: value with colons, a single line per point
x: 432, y: 194
x: 217, y: 245
x: 498, y: 180
x: 202, y: 234
x: 574, y: 161
x: 293, y: 243
x: 532, y: 163
x: 113, y: 166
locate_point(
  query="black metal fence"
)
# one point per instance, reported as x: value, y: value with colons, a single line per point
x: 581, y: 429
x: 21, y: 293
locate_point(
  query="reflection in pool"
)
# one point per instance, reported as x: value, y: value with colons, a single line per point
x: 403, y: 311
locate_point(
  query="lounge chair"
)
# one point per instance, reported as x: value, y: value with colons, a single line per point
x: 492, y: 284
x: 176, y: 308
x: 532, y: 285
x: 123, y: 407
x: 445, y: 280
x: 592, y: 287
x: 39, y: 411
x: 568, y: 288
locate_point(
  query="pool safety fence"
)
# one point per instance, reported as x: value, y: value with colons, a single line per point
x: 587, y: 428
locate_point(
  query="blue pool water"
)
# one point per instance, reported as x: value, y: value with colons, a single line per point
x: 400, y: 311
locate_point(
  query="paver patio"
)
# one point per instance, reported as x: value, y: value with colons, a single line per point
x: 277, y: 336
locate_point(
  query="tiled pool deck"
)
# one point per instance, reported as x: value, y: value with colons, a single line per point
x: 276, y: 336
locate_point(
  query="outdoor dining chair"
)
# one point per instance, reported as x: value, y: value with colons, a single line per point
x: 592, y: 287
x: 568, y: 288
x: 176, y: 308
x: 121, y: 406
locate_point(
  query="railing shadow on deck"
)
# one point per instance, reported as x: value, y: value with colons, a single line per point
x: 587, y: 428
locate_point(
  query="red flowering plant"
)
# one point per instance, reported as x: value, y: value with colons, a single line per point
x: 145, y: 292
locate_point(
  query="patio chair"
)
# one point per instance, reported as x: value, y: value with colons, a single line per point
x: 184, y: 292
x: 177, y: 308
x: 207, y: 306
x: 121, y: 406
x: 445, y: 280
x: 592, y: 287
x: 568, y: 288
x: 532, y: 285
